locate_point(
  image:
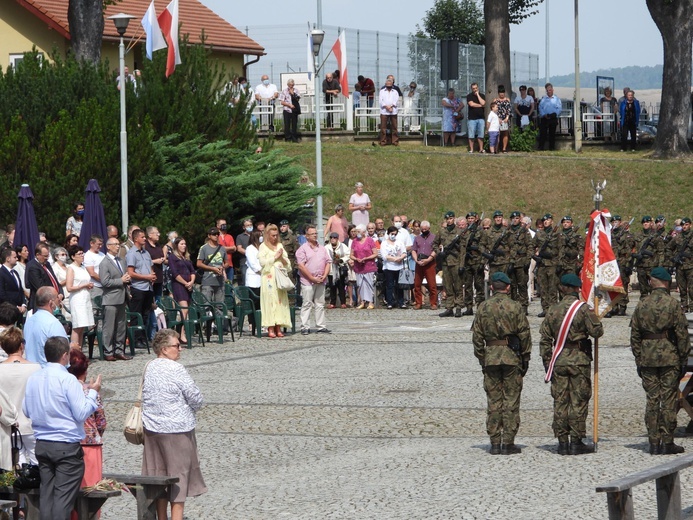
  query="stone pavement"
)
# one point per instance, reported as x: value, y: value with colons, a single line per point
x: 385, y: 419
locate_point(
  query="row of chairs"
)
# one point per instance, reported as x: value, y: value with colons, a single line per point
x: 135, y: 328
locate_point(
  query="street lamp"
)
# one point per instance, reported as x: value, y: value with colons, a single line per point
x: 121, y: 22
x: 318, y: 36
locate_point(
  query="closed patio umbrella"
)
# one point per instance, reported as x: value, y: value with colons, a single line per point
x: 26, y: 231
x: 94, y: 221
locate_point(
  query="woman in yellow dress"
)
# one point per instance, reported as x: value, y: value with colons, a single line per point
x: 274, y: 302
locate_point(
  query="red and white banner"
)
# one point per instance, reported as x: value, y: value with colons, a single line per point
x: 340, y: 52
x: 562, y: 337
x: 600, y: 275
x: 168, y: 21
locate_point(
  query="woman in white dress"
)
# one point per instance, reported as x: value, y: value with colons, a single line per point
x: 78, y: 284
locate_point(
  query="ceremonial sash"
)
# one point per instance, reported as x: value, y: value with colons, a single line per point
x: 562, y: 335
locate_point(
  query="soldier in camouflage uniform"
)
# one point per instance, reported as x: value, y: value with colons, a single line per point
x: 622, y: 243
x: 570, y: 248
x: 290, y: 243
x: 473, y: 277
x: 502, y: 344
x: 649, y: 252
x: 660, y: 344
x: 571, y: 384
x: 664, y: 242
x: 546, y: 245
x: 681, y: 248
x: 449, y: 244
x: 495, y: 245
x: 520, y: 257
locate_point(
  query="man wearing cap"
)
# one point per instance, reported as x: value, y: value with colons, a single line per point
x: 566, y: 351
x: 495, y: 245
x: 473, y: 277
x: 570, y: 245
x: 546, y: 245
x: 451, y: 246
x: 290, y: 243
x: 524, y: 108
x: 682, y: 248
x: 211, y: 259
x: 623, y: 244
x: 502, y: 344
x: 647, y: 255
x: 659, y: 341
x: 520, y: 257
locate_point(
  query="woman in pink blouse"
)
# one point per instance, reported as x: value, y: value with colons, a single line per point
x: 363, y: 253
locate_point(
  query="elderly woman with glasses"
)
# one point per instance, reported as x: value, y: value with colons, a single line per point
x: 170, y: 399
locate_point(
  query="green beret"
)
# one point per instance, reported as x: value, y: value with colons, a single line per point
x: 471, y: 214
x: 571, y: 280
x: 497, y: 213
x: 283, y: 222
x: 646, y: 218
x: 660, y: 274
x: 450, y: 214
x: 616, y: 217
x: 568, y: 218
x: 547, y: 216
x: 500, y: 276
x: 515, y: 214
x: 660, y: 218
x: 685, y: 220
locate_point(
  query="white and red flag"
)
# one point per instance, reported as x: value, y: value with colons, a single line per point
x: 340, y: 52
x: 155, y: 40
x: 601, y: 280
x: 168, y: 21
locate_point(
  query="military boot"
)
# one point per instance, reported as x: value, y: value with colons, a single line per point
x: 542, y: 314
x: 577, y: 447
x: 495, y: 449
x: 655, y: 448
x: 563, y: 447
x: 510, y: 449
x: 468, y: 312
x: 447, y: 313
x: 672, y: 449
x: 458, y: 312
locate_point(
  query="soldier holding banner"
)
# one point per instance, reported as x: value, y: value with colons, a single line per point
x: 566, y: 351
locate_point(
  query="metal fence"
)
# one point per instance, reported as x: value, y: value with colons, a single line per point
x: 376, y: 54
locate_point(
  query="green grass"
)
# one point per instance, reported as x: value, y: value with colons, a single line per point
x: 425, y: 182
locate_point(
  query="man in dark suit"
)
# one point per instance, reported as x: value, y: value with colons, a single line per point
x: 114, y: 281
x: 39, y: 273
x: 11, y: 290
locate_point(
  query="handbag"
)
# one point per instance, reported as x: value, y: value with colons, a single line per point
x: 281, y: 276
x: 504, y: 126
x: 134, y: 428
x: 27, y: 476
x: 406, y: 277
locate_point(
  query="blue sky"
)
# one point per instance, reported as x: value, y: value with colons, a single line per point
x: 613, y: 33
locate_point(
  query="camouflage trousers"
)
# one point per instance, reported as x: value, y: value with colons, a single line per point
x: 623, y: 302
x: 519, y: 279
x: 503, y: 386
x: 473, y: 280
x: 548, y: 285
x: 661, y: 385
x: 452, y: 283
x: 684, y: 279
x: 644, y: 281
x: 571, y: 389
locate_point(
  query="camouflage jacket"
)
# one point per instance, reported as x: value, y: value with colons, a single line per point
x: 648, y: 242
x: 520, y: 246
x: 571, y: 248
x: 455, y: 255
x: 623, y: 244
x: 472, y: 237
x: 498, y: 238
x: 549, y: 252
x: 658, y: 313
x: 496, y: 318
x: 681, y: 248
x: 585, y: 325
x: 290, y: 243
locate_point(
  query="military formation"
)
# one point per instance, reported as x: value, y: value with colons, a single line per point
x: 500, y: 332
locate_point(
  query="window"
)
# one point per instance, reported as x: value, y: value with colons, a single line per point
x: 17, y: 58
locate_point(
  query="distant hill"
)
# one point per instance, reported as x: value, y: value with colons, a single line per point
x: 635, y: 77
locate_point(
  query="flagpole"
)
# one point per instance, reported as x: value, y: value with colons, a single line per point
x: 595, y: 412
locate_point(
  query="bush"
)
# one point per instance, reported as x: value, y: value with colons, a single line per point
x: 523, y: 141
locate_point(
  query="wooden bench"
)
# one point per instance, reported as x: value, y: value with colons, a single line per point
x: 87, y: 503
x: 619, y: 493
x: 147, y: 490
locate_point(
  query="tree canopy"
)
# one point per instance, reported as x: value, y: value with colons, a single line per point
x: 461, y: 20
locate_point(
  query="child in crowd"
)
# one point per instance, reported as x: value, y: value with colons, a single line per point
x: 493, y: 127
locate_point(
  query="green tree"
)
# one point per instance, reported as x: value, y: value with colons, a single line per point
x: 460, y: 20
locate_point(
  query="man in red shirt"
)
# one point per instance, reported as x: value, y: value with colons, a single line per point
x: 367, y: 89
x: 227, y: 242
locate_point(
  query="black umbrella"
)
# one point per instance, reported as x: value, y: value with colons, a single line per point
x: 26, y: 231
x: 94, y: 220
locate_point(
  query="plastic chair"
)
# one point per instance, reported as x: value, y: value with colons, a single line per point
x: 134, y: 329
x: 174, y: 320
x: 212, y: 311
x: 246, y: 299
x: 96, y: 332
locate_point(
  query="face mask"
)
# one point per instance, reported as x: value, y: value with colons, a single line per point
x: 62, y: 257
x: 262, y: 239
x: 359, y: 236
x: 388, y: 88
x: 249, y: 229
x: 425, y: 233
x: 80, y: 212
x: 265, y: 82
x: 222, y: 227
x: 393, y: 237
x: 398, y: 225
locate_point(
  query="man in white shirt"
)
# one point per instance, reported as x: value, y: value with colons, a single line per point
x: 265, y: 94
x: 403, y: 235
x: 92, y: 259
x: 388, y: 113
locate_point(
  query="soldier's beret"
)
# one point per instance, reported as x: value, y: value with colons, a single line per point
x: 515, y: 214
x: 471, y: 214
x: 660, y: 274
x: 547, y: 216
x: 646, y: 218
x: 567, y: 217
x: 283, y: 222
x: 571, y: 280
x: 500, y: 277
x: 660, y: 218
x: 497, y: 213
x: 685, y: 220
x: 616, y: 217
x: 450, y: 214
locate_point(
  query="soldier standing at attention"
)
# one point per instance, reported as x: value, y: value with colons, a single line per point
x: 647, y: 254
x: 623, y: 244
x: 566, y: 351
x: 546, y: 245
x: 290, y: 243
x: 681, y: 247
x: 570, y: 244
x: 449, y: 245
x: 473, y: 277
x: 660, y: 344
x: 502, y: 344
x: 520, y: 256
x: 495, y: 245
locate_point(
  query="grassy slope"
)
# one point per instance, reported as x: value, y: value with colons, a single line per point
x: 424, y: 182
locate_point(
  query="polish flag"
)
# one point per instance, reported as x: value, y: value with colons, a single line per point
x: 340, y: 52
x: 600, y: 275
x: 155, y: 40
x: 168, y: 20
